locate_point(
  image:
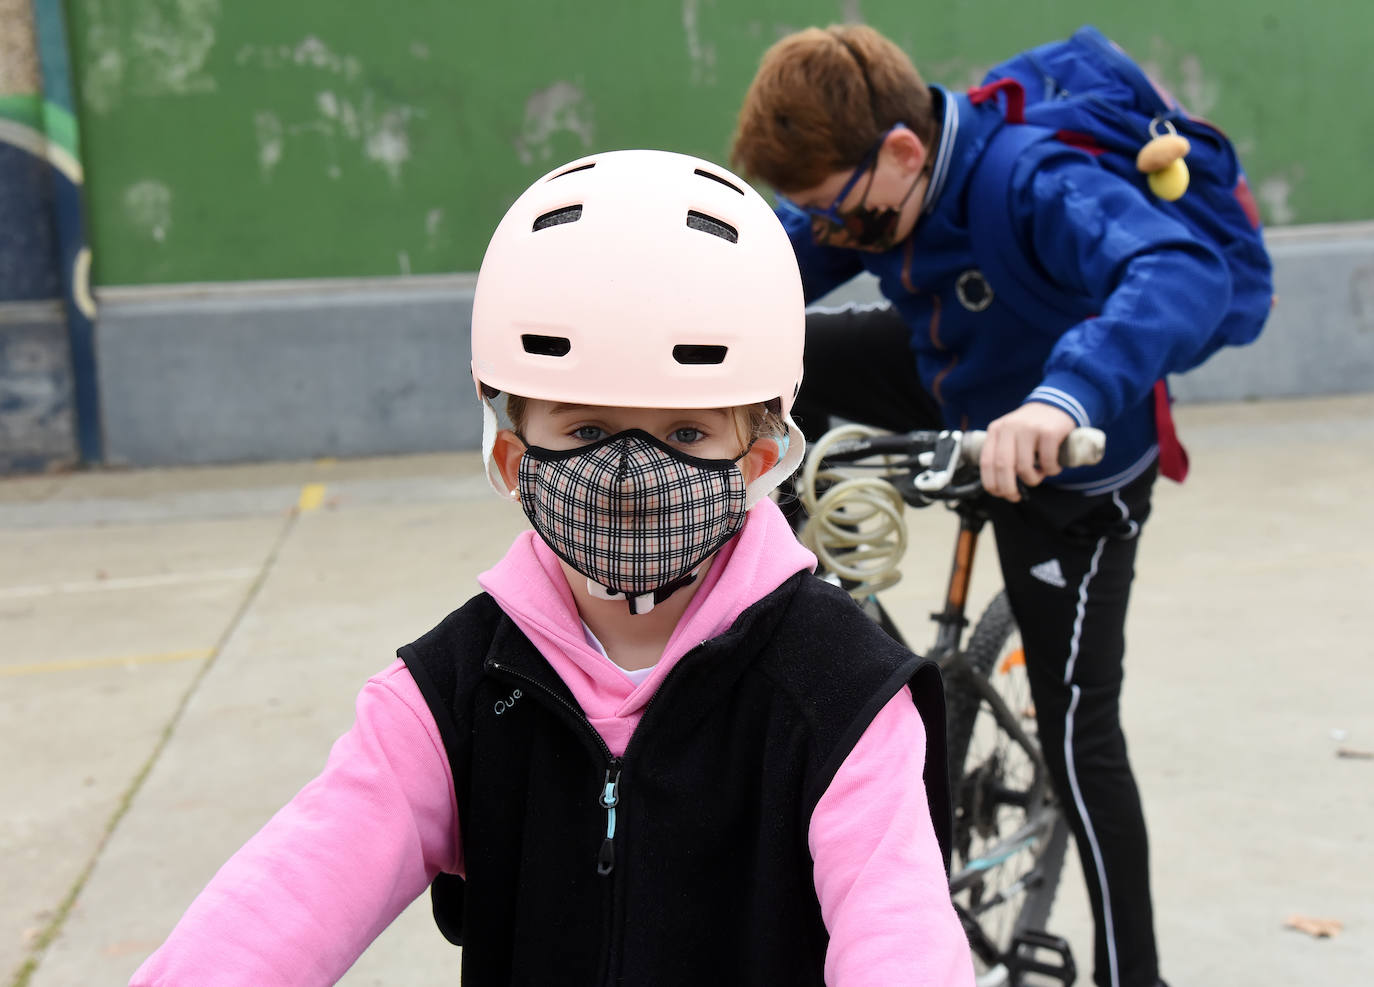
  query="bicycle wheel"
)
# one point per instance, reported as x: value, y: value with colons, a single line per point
x: 1009, y: 836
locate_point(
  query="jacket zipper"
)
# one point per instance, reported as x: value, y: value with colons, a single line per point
x: 608, y: 796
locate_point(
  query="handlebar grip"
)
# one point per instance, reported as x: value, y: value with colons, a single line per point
x: 1081, y: 447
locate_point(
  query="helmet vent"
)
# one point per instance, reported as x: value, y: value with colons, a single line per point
x: 546, y: 345
x: 692, y: 355
x: 568, y: 214
x: 582, y: 167
x: 717, y: 178
x: 708, y: 224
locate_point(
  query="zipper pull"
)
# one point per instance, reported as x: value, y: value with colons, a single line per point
x: 610, y: 798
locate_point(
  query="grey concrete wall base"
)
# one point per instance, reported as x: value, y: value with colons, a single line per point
x: 1320, y: 337
x: 298, y: 370
x: 37, y: 420
x: 286, y: 370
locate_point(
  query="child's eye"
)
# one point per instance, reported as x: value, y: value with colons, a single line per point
x: 687, y: 436
x: 588, y: 433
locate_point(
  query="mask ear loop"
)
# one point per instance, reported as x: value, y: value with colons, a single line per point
x: 793, y: 448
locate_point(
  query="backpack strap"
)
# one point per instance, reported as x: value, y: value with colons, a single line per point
x: 1011, y: 90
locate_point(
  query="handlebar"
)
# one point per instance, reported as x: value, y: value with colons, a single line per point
x: 855, y: 523
x: 924, y: 465
x: 1081, y: 447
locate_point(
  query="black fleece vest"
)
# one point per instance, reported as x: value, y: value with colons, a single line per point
x: 686, y: 860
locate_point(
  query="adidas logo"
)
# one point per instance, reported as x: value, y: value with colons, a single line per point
x: 1050, y: 572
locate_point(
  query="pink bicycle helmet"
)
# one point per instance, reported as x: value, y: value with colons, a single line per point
x: 641, y: 279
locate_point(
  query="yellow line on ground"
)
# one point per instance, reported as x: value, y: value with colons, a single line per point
x: 312, y: 496
x: 83, y: 664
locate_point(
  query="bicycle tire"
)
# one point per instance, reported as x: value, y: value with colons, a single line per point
x: 1010, y: 836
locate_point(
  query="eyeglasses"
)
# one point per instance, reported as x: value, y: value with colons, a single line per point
x: 829, y: 217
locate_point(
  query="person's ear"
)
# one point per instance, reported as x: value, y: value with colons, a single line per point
x: 761, y: 458
x: 906, y: 149
x: 506, y: 453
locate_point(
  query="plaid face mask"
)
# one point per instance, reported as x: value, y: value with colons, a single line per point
x: 631, y: 513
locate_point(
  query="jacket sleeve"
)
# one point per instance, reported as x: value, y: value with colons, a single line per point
x: 823, y: 269
x: 880, y: 876
x: 1160, y: 292
x: 303, y: 898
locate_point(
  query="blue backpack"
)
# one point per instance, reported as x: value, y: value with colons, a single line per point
x: 1087, y: 93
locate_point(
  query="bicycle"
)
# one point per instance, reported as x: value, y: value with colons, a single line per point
x: 1009, y: 834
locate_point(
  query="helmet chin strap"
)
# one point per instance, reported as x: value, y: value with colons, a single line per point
x: 490, y: 426
x: 644, y: 602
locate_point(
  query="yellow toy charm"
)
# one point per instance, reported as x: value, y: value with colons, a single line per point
x: 1161, y: 159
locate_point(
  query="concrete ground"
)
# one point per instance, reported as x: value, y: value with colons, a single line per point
x: 179, y: 648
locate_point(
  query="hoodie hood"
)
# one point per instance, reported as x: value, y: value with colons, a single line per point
x: 529, y: 585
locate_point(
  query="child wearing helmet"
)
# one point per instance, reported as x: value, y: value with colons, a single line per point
x: 654, y: 749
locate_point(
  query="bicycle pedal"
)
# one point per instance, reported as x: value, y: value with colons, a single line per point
x: 1028, y: 955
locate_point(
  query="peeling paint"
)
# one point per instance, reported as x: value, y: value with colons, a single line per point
x: 1274, y: 194
x: 309, y: 53
x: 161, y: 50
x: 271, y: 142
x: 104, y: 72
x: 344, y: 114
x: 1183, y: 76
x: 386, y: 142
x: 850, y: 13
x: 702, y: 55
x: 172, y: 40
x: 433, y: 220
x: 561, y: 108
x: 1199, y: 93
x: 148, y: 207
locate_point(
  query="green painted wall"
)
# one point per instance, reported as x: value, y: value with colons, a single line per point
x: 244, y: 139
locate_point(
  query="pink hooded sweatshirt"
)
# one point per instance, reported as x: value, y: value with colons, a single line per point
x: 299, y: 903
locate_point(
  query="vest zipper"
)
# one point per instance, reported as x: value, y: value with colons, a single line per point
x: 609, y: 793
x: 610, y: 797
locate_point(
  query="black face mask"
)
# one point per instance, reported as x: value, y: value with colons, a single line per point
x: 863, y: 227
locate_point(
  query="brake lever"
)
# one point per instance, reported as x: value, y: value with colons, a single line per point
x: 943, y: 460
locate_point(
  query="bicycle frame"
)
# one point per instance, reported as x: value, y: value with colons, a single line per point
x: 951, y: 622
x: 984, y: 791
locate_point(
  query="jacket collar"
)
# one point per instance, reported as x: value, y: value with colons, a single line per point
x: 964, y: 132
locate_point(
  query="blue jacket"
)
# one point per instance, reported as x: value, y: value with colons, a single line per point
x: 1142, y: 294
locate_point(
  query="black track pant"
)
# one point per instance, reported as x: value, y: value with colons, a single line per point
x: 1068, y: 560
